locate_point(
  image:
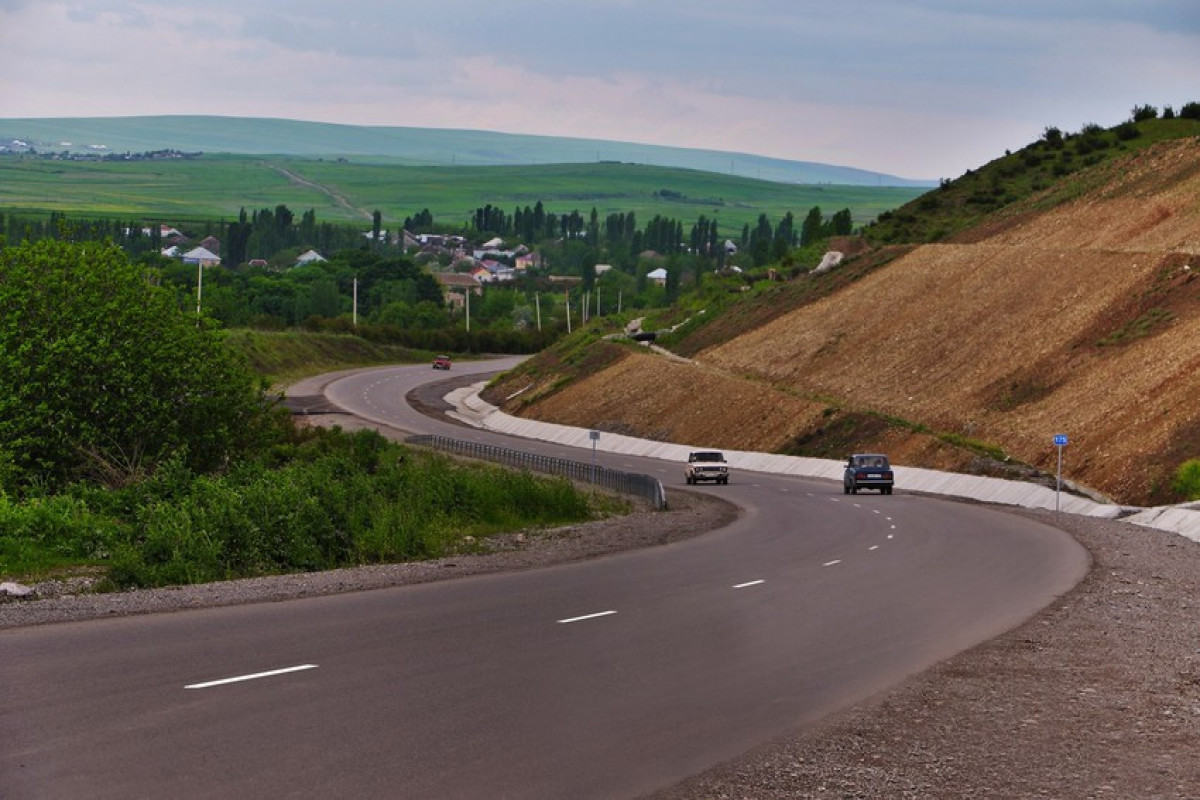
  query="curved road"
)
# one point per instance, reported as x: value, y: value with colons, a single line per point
x: 610, y: 678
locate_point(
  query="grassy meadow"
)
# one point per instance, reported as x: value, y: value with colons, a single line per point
x: 219, y: 186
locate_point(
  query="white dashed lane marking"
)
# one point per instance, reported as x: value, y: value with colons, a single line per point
x: 748, y: 583
x: 569, y: 620
x: 255, y: 676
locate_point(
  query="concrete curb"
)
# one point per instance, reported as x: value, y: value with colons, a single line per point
x: 1183, y: 519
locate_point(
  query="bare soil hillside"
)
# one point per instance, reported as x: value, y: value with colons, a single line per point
x: 1082, y: 318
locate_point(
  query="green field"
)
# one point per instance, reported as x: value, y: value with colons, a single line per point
x: 219, y: 186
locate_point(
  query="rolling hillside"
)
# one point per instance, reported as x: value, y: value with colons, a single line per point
x: 410, y: 146
x: 1074, y: 311
x: 220, y: 186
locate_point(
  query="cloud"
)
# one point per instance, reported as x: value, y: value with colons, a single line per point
x: 925, y: 88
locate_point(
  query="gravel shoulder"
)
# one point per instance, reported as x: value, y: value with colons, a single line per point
x: 1097, y: 696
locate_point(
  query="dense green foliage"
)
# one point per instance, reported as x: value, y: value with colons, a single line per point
x: 324, y: 500
x: 1187, y: 480
x: 104, y: 377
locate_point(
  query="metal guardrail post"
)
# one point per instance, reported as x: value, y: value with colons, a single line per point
x: 643, y: 486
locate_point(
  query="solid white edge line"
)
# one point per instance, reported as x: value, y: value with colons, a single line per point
x: 256, y: 675
x: 585, y: 616
x: 748, y: 583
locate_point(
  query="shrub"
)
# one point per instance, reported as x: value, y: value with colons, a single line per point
x: 119, y: 380
x: 1187, y: 480
x: 1144, y: 112
x: 341, y: 500
x: 1126, y: 131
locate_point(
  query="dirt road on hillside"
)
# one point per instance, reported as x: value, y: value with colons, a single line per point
x: 338, y: 199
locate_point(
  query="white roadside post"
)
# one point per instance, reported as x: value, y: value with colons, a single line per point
x: 1060, y: 441
x: 595, y: 437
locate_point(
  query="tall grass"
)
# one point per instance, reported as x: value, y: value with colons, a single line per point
x: 331, y: 500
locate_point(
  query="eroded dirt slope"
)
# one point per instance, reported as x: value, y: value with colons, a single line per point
x: 1082, y: 319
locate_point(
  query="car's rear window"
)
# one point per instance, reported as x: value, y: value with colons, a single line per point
x: 877, y: 462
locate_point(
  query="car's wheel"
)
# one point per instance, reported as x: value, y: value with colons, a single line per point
x: 853, y: 490
x: 724, y: 481
x: 845, y: 488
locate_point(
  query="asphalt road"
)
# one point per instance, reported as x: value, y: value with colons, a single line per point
x: 605, y: 679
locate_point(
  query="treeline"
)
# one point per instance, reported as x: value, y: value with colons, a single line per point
x: 267, y: 234
x: 368, y: 284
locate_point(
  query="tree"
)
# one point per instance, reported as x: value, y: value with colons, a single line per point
x: 103, y: 377
x: 1143, y: 113
x: 1053, y: 137
x: 811, y: 228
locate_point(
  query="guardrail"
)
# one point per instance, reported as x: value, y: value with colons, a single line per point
x: 641, y: 486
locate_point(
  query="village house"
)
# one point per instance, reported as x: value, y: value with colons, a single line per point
x: 202, y: 257
x: 455, y: 286
x: 528, y: 261
x: 309, y: 257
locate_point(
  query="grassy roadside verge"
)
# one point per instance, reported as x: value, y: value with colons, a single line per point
x: 316, y: 499
x: 324, y: 499
x: 285, y: 357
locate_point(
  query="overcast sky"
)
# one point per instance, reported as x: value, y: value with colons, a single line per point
x: 916, y: 88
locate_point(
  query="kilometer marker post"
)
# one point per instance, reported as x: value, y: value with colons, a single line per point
x: 1060, y: 441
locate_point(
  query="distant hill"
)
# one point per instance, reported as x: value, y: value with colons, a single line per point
x: 415, y: 146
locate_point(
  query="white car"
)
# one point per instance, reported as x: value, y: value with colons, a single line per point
x: 706, y: 465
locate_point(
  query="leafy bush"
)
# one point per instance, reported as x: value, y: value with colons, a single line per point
x: 47, y: 532
x: 102, y: 377
x: 339, y: 500
x: 1187, y: 480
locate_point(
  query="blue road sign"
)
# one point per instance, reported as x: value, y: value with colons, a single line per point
x: 1060, y: 439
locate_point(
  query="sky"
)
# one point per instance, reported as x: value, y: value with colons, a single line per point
x: 916, y: 88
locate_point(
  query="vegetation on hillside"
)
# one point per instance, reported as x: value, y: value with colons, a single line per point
x: 1041, y: 167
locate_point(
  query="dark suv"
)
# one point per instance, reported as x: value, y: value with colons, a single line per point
x: 867, y: 471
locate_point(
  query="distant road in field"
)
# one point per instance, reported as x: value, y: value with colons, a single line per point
x: 605, y: 679
x: 323, y: 189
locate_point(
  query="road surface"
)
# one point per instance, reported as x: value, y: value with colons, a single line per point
x: 605, y: 679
